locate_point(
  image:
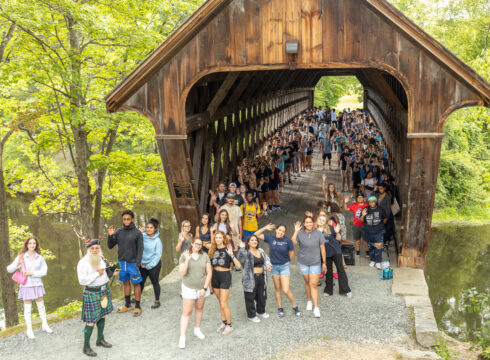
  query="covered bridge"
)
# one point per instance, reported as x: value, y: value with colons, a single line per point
x: 238, y: 69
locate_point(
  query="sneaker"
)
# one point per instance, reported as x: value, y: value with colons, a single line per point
x: 372, y: 263
x: 309, y: 306
x: 264, y: 315
x: 358, y: 253
x: 378, y: 266
x: 221, y: 328
x: 316, y: 312
x: 254, y: 319
x: 367, y: 253
x: 278, y: 208
x: 156, y: 305
x: 182, y: 342
x: 290, y: 181
x: 280, y: 312
x: 296, y: 311
x: 198, y: 333
x: 228, y: 330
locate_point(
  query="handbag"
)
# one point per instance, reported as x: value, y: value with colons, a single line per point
x: 19, y: 277
x: 395, y: 208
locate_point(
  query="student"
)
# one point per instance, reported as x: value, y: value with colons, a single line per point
x: 31, y: 263
x: 251, y: 215
x: 310, y: 257
x: 185, y: 237
x: 344, y: 163
x: 203, y: 231
x: 129, y: 241
x: 196, y: 272
x: 235, y: 218
x: 326, y: 149
x: 374, y: 218
x: 281, y: 252
x: 151, y: 263
x: 222, y: 257
x: 330, y: 193
x: 255, y: 264
x: 94, y: 272
x: 356, y: 209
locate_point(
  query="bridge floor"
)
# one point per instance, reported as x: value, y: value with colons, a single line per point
x: 373, y: 316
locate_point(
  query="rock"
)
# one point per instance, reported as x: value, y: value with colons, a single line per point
x: 409, y: 282
x: 425, y: 326
x: 405, y: 354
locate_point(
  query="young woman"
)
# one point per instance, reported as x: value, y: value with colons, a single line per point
x: 196, y: 271
x: 32, y: 264
x: 185, y: 237
x: 310, y: 256
x: 255, y: 263
x: 151, y: 263
x: 330, y: 193
x: 333, y: 253
x: 203, y: 231
x: 221, y: 255
x: 223, y: 225
x: 281, y: 252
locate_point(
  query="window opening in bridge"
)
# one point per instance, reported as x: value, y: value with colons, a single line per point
x: 339, y: 92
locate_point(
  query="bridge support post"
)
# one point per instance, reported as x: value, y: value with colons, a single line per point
x: 420, y: 182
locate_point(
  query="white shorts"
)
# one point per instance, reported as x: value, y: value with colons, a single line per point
x: 192, y: 294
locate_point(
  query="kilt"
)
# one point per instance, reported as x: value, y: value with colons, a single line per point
x: 91, y: 310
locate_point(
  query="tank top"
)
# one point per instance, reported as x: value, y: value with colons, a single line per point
x: 221, y: 258
x: 206, y: 236
x: 258, y: 262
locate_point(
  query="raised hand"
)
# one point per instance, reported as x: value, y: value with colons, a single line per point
x: 364, y: 211
x: 142, y: 229
x: 111, y: 231
x: 324, y: 177
x: 187, y: 255
x: 229, y: 250
x: 297, y: 226
x: 346, y: 199
x: 270, y: 227
x: 308, y: 213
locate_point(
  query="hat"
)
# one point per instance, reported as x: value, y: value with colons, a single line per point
x: 373, y: 198
x: 232, y: 184
x: 91, y: 242
x: 230, y: 195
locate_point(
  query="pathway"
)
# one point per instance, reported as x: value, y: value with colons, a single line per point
x: 373, y: 316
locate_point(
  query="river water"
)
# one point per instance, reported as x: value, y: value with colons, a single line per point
x: 458, y: 259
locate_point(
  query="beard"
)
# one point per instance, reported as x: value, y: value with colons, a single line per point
x: 94, y: 260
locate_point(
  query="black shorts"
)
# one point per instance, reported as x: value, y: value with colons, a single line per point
x: 324, y: 156
x: 221, y: 280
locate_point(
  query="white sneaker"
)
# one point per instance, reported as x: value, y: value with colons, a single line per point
x: 198, y: 333
x: 309, y: 306
x: 30, y: 333
x: 182, y: 342
x: 316, y: 312
x: 372, y: 263
x: 254, y: 319
x: 46, y: 328
x: 264, y: 315
x: 378, y: 266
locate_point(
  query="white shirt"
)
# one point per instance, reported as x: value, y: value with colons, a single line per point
x: 88, y: 276
x: 37, y: 266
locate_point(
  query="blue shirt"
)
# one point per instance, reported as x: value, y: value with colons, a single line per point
x: 152, y: 250
x: 279, y: 249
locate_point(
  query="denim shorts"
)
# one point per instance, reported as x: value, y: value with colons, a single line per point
x: 281, y: 270
x: 305, y: 269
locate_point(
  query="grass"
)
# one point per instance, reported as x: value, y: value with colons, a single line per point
x: 469, y: 215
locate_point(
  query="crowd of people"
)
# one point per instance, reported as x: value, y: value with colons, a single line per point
x: 228, y: 237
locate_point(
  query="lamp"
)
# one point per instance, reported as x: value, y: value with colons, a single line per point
x: 292, y: 47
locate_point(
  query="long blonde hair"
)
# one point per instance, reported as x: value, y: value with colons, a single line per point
x: 214, y: 246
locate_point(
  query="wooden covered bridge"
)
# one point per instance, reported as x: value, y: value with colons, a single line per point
x: 238, y: 69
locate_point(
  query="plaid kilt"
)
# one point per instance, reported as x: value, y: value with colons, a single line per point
x: 91, y: 310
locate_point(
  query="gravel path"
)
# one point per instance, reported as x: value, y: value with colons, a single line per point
x: 372, y: 316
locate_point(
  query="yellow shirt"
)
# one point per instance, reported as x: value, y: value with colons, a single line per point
x: 250, y: 216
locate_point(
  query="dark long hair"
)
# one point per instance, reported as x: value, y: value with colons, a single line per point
x: 247, y: 243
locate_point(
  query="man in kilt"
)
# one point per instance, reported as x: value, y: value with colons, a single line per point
x: 97, y: 300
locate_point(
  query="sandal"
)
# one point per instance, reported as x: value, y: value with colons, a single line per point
x: 137, y: 312
x: 349, y: 295
x: 124, y: 309
x: 326, y: 294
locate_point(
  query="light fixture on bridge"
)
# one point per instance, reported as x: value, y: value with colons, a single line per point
x: 292, y: 47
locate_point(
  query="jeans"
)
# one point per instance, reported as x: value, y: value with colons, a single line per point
x: 376, y: 254
x: 153, y: 274
x: 258, y: 296
x: 343, y: 282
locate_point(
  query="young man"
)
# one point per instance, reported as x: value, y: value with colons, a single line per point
x: 356, y: 209
x: 326, y: 148
x: 91, y: 271
x: 235, y: 217
x: 251, y: 216
x: 343, y: 163
x: 129, y: 241
x: 374, y: 218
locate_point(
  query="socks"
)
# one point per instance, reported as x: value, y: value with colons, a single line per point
x: 137, y: 305
x: 230, y: 325
x: 127, y: 299
x: 27, y: 316
x: 42, y: 312
x: 224, y: 322
x: 87, y: 333
x: 100, y: 329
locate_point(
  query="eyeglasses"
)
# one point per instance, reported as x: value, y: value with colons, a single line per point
x: 198, y: 244
x: 127, y: 219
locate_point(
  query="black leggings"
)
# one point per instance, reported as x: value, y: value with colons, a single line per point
x: 343, y: 282
x: 154, y: 275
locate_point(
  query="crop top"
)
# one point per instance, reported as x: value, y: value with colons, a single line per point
x: 221, y: 258
x: 258, y: 262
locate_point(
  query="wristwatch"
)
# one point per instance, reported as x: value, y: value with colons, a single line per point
x: 205, y: 289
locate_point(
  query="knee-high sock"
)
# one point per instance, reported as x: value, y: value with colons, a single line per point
x: 27, y: 316
x: 42, y: 312
x: 100, y: 329
x: 87, y: 333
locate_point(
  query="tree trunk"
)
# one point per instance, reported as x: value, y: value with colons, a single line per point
x: 8, y: 289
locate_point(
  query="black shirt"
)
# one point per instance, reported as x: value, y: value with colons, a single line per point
x: 221, y: 258
x: 373, y: 221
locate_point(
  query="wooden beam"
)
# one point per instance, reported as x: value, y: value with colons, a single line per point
x: 222, y: 92
x: 424, y: 135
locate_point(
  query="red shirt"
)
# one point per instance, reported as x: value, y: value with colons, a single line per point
x: 357, y: 212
